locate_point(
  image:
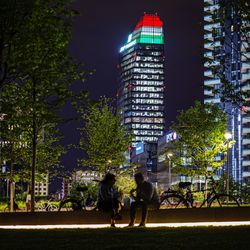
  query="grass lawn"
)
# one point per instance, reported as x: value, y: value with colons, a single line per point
x: 211, y: 238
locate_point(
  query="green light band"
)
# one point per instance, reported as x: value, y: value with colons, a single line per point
x: 150, y: 39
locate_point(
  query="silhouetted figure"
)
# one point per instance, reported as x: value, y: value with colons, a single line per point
x: 108, y: 197
x: 89, y: 201
x: 146, y: 197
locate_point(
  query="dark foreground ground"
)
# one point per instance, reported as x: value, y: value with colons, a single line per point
x: 211, y: 238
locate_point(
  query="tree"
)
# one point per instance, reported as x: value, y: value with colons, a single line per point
x: 46, y: 71
x: 16, y: 148
x: 241, y: 10
x: 13, y: 19
x: 125, y: 183
x: 201, y: 130
x: 103, y: 138
x: 234, y: 15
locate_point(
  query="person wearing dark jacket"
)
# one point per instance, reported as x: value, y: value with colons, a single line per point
x: 108, y: 197
x: 145, y: 196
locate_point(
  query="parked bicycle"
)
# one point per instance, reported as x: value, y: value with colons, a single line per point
x: 47, y: 206
x: 172, y: 199
x: 185, y: 199
x: 74, y: 204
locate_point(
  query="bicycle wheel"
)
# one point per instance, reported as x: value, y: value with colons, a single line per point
x: 41, y: 207
x: 52, y: 207
x: 223, y: 200
x: 173, y: 201
x: 7, y: 209
x: 70, y: 205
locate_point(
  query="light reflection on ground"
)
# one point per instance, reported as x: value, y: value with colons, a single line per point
x: 81, y: 226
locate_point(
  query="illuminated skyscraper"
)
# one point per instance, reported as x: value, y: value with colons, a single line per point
x: 141, y: 89
x: 226, y: 51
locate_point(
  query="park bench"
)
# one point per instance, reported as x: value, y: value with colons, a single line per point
x: 155, y: 216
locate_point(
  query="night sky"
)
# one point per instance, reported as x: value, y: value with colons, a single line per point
x: 103, y: 28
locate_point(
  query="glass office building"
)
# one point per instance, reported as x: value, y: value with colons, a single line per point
x: 141, y: 83
x: 226, y: 54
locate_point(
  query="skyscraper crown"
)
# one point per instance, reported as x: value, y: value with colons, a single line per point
x: 149, y: 20
x: 148, y: 30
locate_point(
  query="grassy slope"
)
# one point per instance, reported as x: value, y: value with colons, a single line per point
x: 211, y: 238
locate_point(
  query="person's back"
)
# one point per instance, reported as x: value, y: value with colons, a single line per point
x: 105, y: 192
x: 148, y: 193
x: 107, y: 200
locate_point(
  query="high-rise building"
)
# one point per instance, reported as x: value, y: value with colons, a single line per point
x: 141, y: 86
x: 226, y: 53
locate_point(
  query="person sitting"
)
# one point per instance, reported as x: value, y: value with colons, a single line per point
x: 108, y: 198
x: 146, y: 197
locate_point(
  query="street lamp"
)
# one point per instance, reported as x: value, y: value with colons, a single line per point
x: 169, y: 155
x: 228, y: 137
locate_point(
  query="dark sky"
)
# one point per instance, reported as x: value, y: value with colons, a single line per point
x: 103, y: 28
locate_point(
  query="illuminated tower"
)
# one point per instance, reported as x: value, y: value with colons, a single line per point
x: 141, y: 86
x: 226, y: 50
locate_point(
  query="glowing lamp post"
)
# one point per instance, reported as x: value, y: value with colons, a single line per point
x: 228, y: 137
x: 169, y: 155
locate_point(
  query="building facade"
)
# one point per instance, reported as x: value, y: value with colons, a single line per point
x: 226, y: 54
x: 141, y: 83
x: 85, y: 176
x: 42, y: 188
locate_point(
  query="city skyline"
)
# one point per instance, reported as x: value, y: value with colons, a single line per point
x: 108, y: 30
x: 104, y: 30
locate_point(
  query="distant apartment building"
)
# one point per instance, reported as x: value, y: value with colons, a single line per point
x: 42, y: 188
x: 227, y: 51
x: 80, y: 176
x: 155, y: 164
x: 141, y: 84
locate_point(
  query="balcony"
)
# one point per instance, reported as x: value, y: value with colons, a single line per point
x: 208, y: 36
x: 211, y: 26
x: 245, y: 152
x: 246, y: 130
x: 245, y: 163
x: 245, y: 174
x: 214, y: 63
x: 246, y: 88
x: 246, y: 76
x: 212, y: 100
x: 212, y: 7
x: 208, y: 54
x: 208, y: 93
x: 208, y: 18
x: 212, y: 81
x: 208, y: 73
x: 245, y: 141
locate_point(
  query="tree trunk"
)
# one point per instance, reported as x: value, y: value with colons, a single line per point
x: 206, y: 191
x: 12, y: 187
x: 33, y: 170
x: 34, y: 149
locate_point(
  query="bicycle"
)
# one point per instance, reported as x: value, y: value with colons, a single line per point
x: 47, y: 206
x: 172, y: 199
x: 74, y: 204
x: 215, y: 199
x: 176, y: 199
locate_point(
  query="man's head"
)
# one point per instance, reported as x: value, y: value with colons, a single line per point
x: 139, y: 179
x: 109, y: 179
